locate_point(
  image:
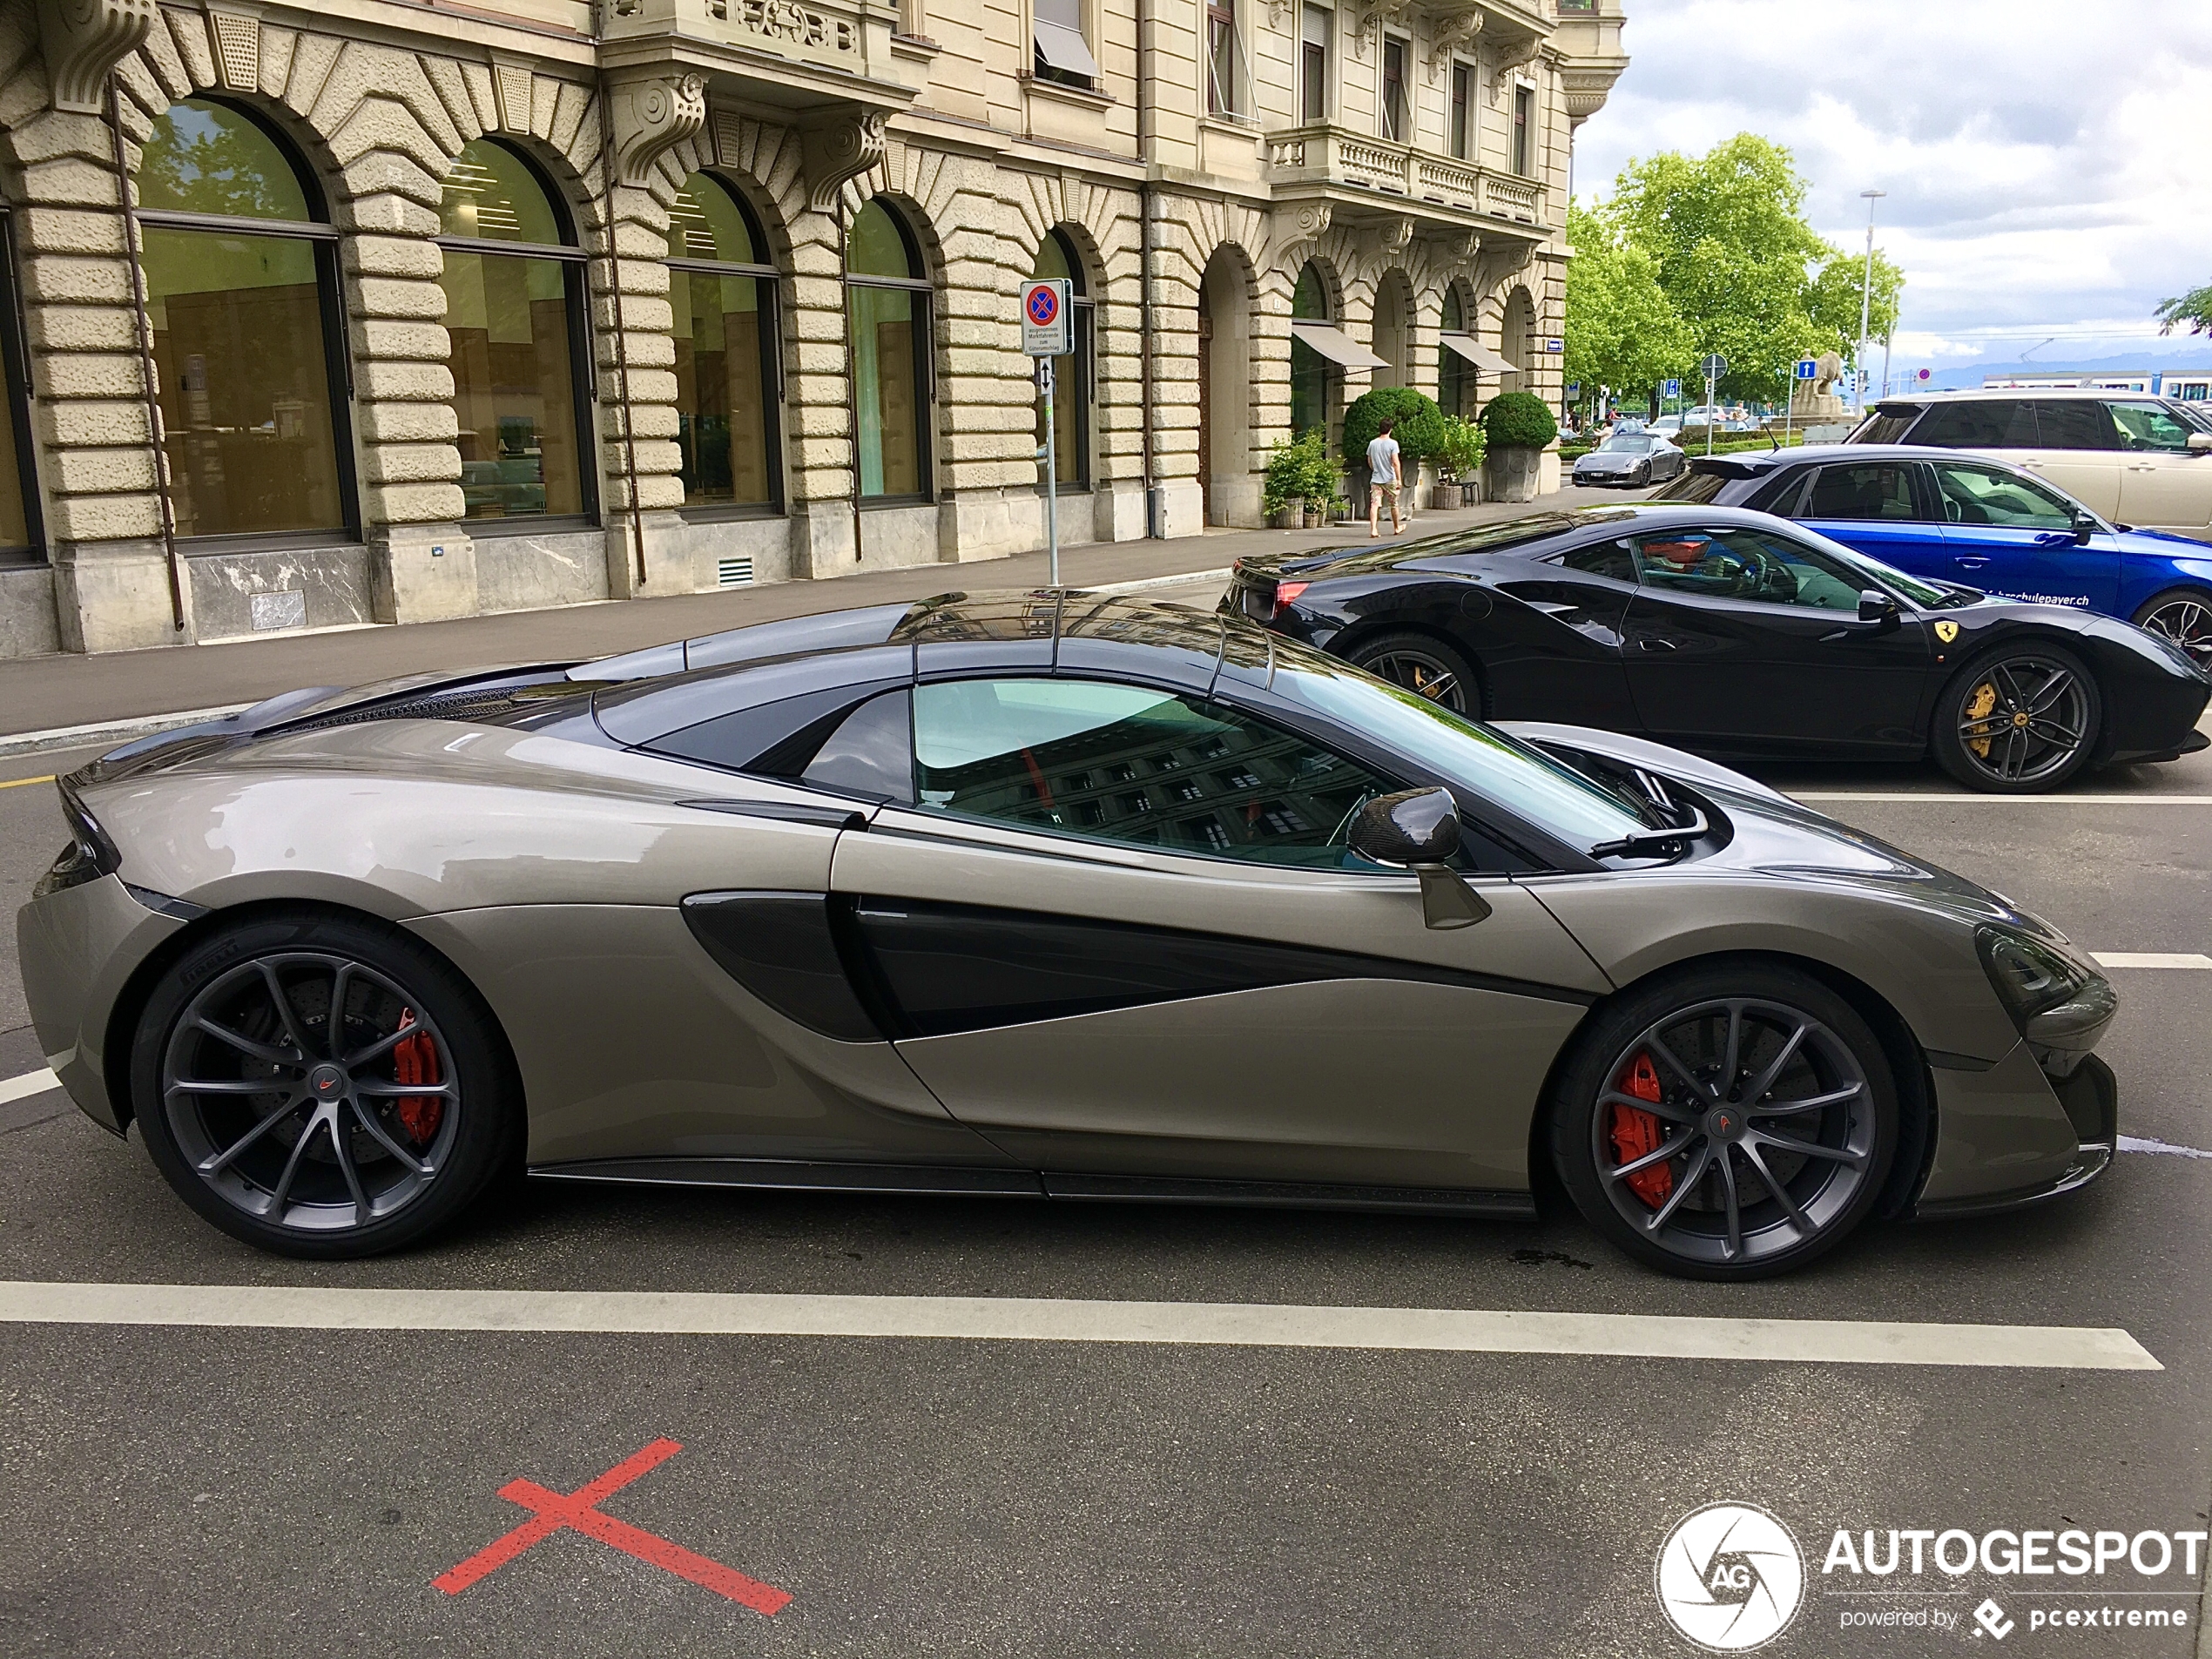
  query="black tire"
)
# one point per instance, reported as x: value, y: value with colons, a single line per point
x: 2184, y: 615
x: 1677, y: 1218
x: 326, y: 1160
x: 1641, y: 477
x: 1424, y: 664
x: 2018, y: 720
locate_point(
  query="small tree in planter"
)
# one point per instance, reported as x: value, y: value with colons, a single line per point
x: 1298, y: 477
x: 1517, y: 426
x: 1459, y: 457
x: 1416, y: 423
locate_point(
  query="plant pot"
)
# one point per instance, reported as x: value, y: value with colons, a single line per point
x: 1444, y: 498
x: 1316, y: 518
x: 1510, y: 474
x: 1284, y: 518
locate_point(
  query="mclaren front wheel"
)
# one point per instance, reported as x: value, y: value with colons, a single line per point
x: 321, y: 1087
x: 1726, y: 1121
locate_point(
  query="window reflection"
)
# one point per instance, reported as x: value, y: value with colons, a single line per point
x: 724, y: 308
x: 889, y: 302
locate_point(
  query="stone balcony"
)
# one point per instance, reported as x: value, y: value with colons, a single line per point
x: 1363, y: 177
x: 797, y: 54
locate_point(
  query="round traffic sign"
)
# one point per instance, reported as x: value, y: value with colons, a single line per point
x: 1043, y: 305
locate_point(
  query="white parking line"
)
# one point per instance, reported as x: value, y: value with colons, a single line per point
x: 22, y: 1088
x: 1035, y: 1320
x: 2151, y: 959
x: 2138, y: 1144
x: 1941, y: 798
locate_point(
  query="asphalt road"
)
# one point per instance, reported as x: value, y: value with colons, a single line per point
x: 205, y: 1491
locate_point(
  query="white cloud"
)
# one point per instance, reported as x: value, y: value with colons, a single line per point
x: 2046, y: 163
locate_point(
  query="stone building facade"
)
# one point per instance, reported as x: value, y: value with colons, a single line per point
x: 395, y: 310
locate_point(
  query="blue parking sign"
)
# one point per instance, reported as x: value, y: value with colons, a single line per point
x: 1808, y: 369
x: 1670, y: 388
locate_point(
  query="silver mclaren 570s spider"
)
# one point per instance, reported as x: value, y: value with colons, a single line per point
x: 1041, y: 894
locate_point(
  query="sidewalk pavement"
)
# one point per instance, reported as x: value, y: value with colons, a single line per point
x: 119, y: 691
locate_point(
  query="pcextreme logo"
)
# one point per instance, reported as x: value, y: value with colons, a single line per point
x: 1730, y: 1577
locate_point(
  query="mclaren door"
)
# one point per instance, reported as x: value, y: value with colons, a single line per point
x: 1119, y: 933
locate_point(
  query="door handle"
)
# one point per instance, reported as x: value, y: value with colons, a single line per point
x: 1971, y: 562
x: 2142, y: 466
x: 1649, y: 643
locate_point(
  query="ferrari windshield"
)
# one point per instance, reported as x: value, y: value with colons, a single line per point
x: 1520, y: 777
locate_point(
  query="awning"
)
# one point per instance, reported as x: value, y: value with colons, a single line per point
x: 1065, y: 49
x: 1335, y: 345
x: 1476, y: 353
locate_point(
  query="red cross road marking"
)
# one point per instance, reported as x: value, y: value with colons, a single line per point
x: 579, y: 1512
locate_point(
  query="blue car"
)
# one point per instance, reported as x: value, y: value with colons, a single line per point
x: 1964, y: 518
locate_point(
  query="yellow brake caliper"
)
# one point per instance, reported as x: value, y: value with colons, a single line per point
x: 1978, y: 708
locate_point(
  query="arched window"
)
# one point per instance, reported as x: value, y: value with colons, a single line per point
x: 723, y: 291
x: 1451, y: 366
x: 241, y: 278
x: 1309, y: 369
x: 1071, y: 391
x: 21, y: 538
x: 888, y: 299
x: 513, y: 283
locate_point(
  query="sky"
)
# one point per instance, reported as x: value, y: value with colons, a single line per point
x: 2048, y: 166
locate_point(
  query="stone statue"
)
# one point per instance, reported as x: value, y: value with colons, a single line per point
x: 1816, y: 400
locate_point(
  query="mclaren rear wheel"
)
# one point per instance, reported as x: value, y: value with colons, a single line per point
x: 1730, y: 1121
x: 321, y: 1087
x: 2020, y: 719
x: 1424, y: 665
x: 2184, y: 615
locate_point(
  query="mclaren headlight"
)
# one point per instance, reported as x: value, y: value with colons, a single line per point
x: 2060, y: 1005
x: 90, y: 855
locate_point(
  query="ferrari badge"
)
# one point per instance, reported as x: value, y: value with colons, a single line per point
x: 1946, y: 631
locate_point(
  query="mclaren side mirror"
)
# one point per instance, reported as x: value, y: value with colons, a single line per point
x: 1418, y: 830
x: 2200, y: 443
x: 1876, y: 606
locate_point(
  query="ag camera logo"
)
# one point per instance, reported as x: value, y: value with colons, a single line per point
x: 1730, y: 1577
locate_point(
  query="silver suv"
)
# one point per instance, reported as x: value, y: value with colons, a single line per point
x: 2135, y: 460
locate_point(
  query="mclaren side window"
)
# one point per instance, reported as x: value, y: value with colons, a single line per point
x: 1139, y: 766
x: 870, y: 752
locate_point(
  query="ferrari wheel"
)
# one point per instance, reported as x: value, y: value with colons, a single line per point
x: 2184, y: 615
x: 1424, y: 665
x: 321, y: 1088
x: 1728, y: 1122
x: 2020, y: 719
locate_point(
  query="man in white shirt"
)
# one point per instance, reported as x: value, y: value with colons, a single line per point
x: 1384, y: 476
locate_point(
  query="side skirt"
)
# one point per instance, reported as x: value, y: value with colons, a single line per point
x: 792, y: 1176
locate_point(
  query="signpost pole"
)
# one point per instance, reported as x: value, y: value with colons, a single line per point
x: 1789, y: 404
x: 1051, y: 467
x: 1709, y: 384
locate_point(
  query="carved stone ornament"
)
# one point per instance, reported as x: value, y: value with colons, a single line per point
x: 511, y: 83
x: 84, y: 40
x: 1394, y: 236
x: 1295, y: 228
x: 841, y: 149
x: 1458, y: 247
x: 237, y: 46
x: 1453, y: 31
x: 1516, y: 55
x: 1585, y: 93
x: 1373, y: 16
x: 652, y: 117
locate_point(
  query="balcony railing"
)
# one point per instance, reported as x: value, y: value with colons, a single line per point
x: 1334, y: 155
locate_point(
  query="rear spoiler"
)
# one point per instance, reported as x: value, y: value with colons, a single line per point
x: 1731, y: 466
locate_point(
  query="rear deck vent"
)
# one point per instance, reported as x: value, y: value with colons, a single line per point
x: 734, y: 572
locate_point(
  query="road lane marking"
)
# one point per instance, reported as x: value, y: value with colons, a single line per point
x: 2033, y: 800
x: 2151, y: 959
x: 1040, y: 1319
x: 24, y: 783
x: 31, y: 1083
x: 579, y: 1511
x: 2138, y: 1144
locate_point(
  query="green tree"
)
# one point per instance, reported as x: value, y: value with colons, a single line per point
x: 2194, y: 308
x: 1727, y: 236
x: 1623, y: 330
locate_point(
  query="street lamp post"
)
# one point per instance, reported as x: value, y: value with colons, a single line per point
x: 1866, y: 296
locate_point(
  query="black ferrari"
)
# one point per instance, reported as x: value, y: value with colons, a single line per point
x: 1737, y: 633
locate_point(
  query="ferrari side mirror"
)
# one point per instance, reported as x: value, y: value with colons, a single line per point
x: 1418, y: 830
x: 1876, y: 606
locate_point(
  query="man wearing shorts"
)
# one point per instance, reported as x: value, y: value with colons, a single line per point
x: 1384, y: 480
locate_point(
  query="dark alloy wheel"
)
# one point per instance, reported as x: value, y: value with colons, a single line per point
x: 1726, y: 1123
x: 320, y: 1087
x: 1427, y: 666
x: 2022, y: 718
x: 2184, y: 615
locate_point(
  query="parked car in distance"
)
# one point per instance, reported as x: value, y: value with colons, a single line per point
x: 1667, y: 426
x: 1955, y: 516
x: 1703, y: 414
x: 2131, y: 459
x: 1630, y: 458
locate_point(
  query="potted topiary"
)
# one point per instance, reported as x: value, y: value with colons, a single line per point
x: 1416, y: 423
x: 1460, y: 448
x: 1516, y: 426
x: 1289, y: 482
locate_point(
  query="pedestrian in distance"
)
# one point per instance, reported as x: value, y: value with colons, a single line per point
x: 1384, y: 479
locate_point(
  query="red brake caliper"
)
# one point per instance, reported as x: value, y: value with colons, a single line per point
x: 416, y: 1061
x: 1636, y: 1133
